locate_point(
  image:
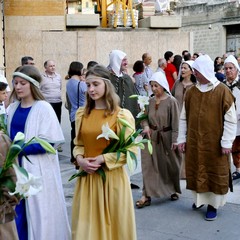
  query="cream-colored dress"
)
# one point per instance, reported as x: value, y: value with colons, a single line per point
x: 102, y: 211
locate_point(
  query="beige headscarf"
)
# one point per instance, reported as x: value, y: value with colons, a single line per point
x: 205, y: 66
x: 115, y: 61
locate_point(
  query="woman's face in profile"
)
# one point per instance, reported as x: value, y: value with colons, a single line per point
x: 186, y: 70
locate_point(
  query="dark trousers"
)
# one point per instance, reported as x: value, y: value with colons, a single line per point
x: 73, y: 135
x: 57, y: 107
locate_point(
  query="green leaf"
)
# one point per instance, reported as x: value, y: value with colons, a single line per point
x: 141, y: 118
x: 118, y: 155
x: 111, y: 146
x: 101, y: 172
x: 3, y: 124
x: 134, y: 158
x: 20, y: 143
x: 150, y: 149
x: 130, y: 140
x: 9, y: 183
x: 133, y: 96
x: 144, y: 140
x: 133, y: 137
x: 122, y: 135
x: 130, y: 162
x: 22, y: 170
x: 137, y: 132
x: 125, y: 123
x: 79, y: 174
x: 13, y: 151
x: 27, y: 157
x: 141, y: 145
x: 47, y: 146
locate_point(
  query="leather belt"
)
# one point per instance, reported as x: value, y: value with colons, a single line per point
x: 164, y: 129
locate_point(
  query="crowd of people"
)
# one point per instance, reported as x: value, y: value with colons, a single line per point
x: 192, y: 122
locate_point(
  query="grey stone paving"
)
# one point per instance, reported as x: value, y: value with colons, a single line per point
x: 167, y: 220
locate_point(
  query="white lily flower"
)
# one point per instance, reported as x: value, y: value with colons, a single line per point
x: 19, y: 137
x: 142, y: 101
x: 107, y: 133
x: 26, y: 185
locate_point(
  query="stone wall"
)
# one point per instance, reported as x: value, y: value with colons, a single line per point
x: 207, y: 24
x: 46, y: 38
x: 208, y: 40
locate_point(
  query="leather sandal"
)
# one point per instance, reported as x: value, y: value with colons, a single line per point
x: 141, y: 204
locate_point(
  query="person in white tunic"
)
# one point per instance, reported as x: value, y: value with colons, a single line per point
x: 207, y: 129
x: 43, y: 216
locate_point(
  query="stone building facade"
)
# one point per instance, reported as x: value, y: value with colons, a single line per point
x: 214, y: 26
x: 39, y: 30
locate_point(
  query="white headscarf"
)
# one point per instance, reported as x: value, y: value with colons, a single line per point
x: 233, y: 60
x: 115, y: 61
x: 189, y: 62
x: 205, y: 66
x: 161, y: 79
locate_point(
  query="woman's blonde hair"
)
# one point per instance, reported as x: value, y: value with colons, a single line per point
x: 32, y: 72
x: 110, y: 96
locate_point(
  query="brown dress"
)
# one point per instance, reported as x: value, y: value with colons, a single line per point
x: 178, y: 91
x: 161, y: 170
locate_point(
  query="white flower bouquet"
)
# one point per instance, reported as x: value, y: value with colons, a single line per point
x: 26, y: 184
x: 142, y: 101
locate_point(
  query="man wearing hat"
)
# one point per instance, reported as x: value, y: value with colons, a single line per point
x: 231, y: 68
x: 207, y: 129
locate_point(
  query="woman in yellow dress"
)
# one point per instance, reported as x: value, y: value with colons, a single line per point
x: 101, y: 210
